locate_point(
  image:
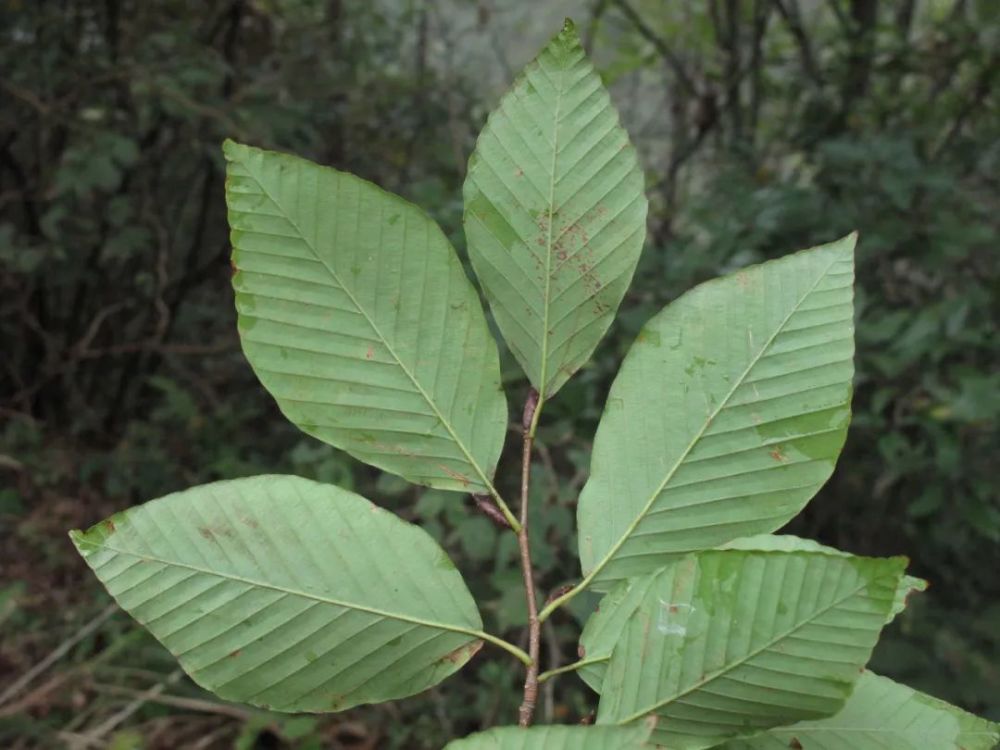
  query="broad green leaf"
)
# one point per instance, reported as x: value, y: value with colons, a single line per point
x: 882, y: 715
x: 555, y: 738
x: 728, y: 642
x: 555, y: 213
x: 288, y: 594
x: 789, y: 543
x: 605, y: 626
x: 726, y: 417
x: 357, y: 316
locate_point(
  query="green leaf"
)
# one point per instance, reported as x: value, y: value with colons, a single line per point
x: 790, y: 543
x: 605, y: 626
x: 882, y: 715
x: 555, y: 213
x: 555, y: 738
x: 728, y: 642
x: 357, y: 316
x: 288, y: 594
x: 740, y: 392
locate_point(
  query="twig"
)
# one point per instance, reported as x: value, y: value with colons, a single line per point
x: 661, y: 46
x: 107, y: 726
x: 61, y: 650
x: 37, y: 695
x: 528, y: 422
x: 178, y: 701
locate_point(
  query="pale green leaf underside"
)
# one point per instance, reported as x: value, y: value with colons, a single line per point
x: 288, y: 594
x: 357, y: 316
x: 789, y: 543
x: 605, y: 626
x: 882, y: 715
x: 555, y: 738
x: 731, y: 642
x: 740, y: 391
x: 555, y: 213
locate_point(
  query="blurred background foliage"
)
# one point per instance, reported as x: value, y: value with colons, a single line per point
x: 764, y: 126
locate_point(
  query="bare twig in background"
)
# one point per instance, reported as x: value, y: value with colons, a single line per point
x: 178, y: 701
x: 673, y: 61
x: 24, y: 680
x: 107, y: 726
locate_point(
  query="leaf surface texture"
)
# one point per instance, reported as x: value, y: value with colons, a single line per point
x: 555, y: 213
x: 740, y: 392
x: 288, y: 594
x: 727, y: 642
x: 357, y: 316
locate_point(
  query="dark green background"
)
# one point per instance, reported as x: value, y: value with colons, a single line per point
x: 764, y: 126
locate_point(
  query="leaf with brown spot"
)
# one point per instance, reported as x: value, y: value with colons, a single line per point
x: 356, y: 314
x: 554, y: 249
x: 269, y: 611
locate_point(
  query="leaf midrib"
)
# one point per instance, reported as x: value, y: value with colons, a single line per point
x: 542, y: 382
x: 286, y: 590
x: 487, y: 483
x: 694, y: 441
x: 750, y: 655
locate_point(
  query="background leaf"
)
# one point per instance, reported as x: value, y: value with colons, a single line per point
x: 555, y: 738
x: 725, y: 642
x: 357, y: 316
x: 555, y: 212
x: 882, y: 715
x: 740, y: 391
x: 288, y: 594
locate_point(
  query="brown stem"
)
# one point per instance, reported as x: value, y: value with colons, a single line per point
x: 527, y: 710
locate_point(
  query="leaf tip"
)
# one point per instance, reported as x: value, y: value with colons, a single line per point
x: 850, y: 241
x: 567, y: 36
x: 232, y: 150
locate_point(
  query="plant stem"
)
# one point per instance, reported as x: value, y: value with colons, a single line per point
x: 528, y: 422
x: 508, y: 516
x: 561, y: 600
x: 546, y: 676
x: 510, y: 648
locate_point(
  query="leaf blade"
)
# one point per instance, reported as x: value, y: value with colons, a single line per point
x: 356, y: 315
x: 555, y: 737
x: 728, y: 642
x: 554, y: 213
x: 764, y: 359
x: 268, y: 591
x: 604, y: 627
x: 880, y: 714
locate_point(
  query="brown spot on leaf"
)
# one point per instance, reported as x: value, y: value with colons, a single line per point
x: 794, y: 743
x: 234, y: 654
x: 371, y: 352
x: 455, y: 475
x: 581, y: 651
x: 463, y: 653
x: 212, y: 532
x: 109, y: 526
x: 777, y: 454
